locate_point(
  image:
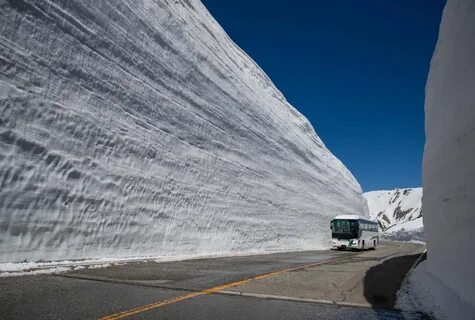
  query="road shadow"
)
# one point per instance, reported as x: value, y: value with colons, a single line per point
x: 382, y: 282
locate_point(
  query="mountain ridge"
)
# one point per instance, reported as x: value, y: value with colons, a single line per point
x: 398, y: 212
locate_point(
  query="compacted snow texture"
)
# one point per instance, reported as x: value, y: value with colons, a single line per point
x: 426, y: 294
x: 449, y: 166
x: 134, y: 128
x: 398, y: 213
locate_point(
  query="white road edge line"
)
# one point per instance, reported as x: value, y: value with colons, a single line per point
x: 287, y: 298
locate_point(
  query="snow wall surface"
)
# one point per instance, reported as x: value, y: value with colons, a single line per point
x: 132, y: 128
x: 449, y: 159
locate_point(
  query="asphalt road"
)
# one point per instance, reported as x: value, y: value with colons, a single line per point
x: 298, y: 285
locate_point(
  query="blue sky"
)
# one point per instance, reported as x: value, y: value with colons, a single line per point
x: 355, y: 69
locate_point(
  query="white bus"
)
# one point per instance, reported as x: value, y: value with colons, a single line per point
x: 354, y: 232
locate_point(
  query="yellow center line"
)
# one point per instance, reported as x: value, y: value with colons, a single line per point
x: 155, y: 305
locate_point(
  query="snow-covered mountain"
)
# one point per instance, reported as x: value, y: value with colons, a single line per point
x: 139, y: 128
x: 398, y: 212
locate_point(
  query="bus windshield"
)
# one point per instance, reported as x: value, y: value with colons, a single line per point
x: 345, y: 228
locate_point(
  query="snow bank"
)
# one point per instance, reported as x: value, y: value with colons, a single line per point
x: 426, y: 294
x: 449, y: 162
x: 139, y: 128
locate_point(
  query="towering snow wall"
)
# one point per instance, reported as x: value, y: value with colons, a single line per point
x: 134, y: 128
x: 449, y: 163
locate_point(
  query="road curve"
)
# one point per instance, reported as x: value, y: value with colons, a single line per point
x: 304, y: 285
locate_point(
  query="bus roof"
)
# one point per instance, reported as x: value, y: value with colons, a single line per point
x: 351, y: 217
